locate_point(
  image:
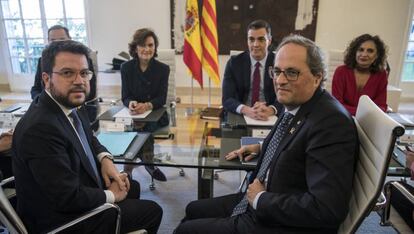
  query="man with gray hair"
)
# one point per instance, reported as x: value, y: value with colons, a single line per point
x: 303, y: 180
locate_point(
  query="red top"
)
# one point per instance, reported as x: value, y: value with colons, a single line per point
x: 345, y: 90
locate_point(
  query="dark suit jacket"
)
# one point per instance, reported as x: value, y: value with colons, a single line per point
x: 38, y: 85
x: 310, y: 177
x: 54, y: 179
x: 149, y: 86
x: 236, y: 83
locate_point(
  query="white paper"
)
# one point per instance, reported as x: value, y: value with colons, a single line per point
x: 124, y: 113
x: 253, y: 122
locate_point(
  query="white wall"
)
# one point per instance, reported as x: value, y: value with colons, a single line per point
x: 340, y: 21
x: 112, y: 23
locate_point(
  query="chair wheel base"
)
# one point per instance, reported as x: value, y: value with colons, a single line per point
x: 215, y: 176
x: 182, y: 173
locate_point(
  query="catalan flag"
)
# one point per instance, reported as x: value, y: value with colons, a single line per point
x: 209, y: 40
x: 192, y: 41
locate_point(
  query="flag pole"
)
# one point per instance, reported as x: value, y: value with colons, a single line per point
x: 209, y: 92
x: 192, y: 94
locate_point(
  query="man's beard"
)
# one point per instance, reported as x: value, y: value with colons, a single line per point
x: 64, y: 100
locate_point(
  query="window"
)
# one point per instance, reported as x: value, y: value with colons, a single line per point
x: 26, y: 23
x: 408, y: 68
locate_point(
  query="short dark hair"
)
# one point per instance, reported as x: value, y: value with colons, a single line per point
x: 382, y: 51
x: 58, y: 27
x: 258, y: 24
x: 50, y: 52
x: 139, y: 38
x: 314, y: 55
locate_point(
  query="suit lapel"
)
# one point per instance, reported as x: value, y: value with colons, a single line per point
x: 72, y: 135
x: 293, y: 129
x: 246, y: 76
x: 267, y: 82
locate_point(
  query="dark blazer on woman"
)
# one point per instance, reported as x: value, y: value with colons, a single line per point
x: 149, y: 86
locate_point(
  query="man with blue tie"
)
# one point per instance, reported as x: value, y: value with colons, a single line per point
x: 303, y: 179
x: 61, y: 169
x: 247, y: 87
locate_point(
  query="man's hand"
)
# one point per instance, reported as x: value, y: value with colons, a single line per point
x: 246, y: 149
x: 409, y: 158
x: 263, y: 110
x: 6, y: 140
x: 259, y: 111
x: 118, y: 193
x: 253, y: 189
x: 109, y: 171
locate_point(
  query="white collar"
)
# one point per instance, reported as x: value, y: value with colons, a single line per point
x: 262, y: 62
x: 294, y: 111
x: 65, y: 110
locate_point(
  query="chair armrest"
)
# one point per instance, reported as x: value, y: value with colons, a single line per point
x: 6, y: 181
x: 89, y: 214
x: 385, y: 215
x: 173, y: 114
x: 381, y: 202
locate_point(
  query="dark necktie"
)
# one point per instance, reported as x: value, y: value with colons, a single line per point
x: 256, y: 84
x: 85, y: 144
x: 267, y: 158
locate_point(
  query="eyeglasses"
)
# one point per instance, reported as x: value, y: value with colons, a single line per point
x: 71, y: 75
x: 290, y: 74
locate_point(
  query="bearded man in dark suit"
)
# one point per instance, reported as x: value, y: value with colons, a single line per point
x: 61, y: 169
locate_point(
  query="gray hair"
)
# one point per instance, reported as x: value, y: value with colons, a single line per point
x: 314, y: 56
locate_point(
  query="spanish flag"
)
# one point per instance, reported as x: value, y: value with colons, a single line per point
x: 209, y: 40
x: 192, y: 41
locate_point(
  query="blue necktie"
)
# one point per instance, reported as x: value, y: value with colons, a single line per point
x: 267, y: 158
x: 85, y: 144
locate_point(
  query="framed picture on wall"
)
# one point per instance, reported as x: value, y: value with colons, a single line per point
x: 233, y: 16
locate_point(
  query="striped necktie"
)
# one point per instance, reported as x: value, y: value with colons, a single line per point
x: 267, y: 158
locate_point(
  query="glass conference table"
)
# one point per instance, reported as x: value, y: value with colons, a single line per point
x: 192, y: 143
x: 202, y: 144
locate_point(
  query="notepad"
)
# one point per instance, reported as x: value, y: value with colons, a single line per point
x: 116, y: 142
x: 253, y: 122
x: 124, y: 113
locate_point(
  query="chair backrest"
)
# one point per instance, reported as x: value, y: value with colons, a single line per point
x: 8, y: 216
x: 335, y: 59
x: 377, y: 134
x: 167, y: 56
x: 235, y: 52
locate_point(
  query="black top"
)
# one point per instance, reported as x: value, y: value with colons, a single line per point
x: 38, y: 85
x: 149, y: 86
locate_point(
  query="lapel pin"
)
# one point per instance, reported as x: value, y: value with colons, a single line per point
x: 297, y: 123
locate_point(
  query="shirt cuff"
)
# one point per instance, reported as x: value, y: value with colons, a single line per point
x: 102, y: 155
x: 110, y: 197
x: 274, y: 109
x: 238, y: 109
x: 256, y: 199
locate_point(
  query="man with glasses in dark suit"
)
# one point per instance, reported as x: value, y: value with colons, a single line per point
x: 303, y: 179
x: 61, y: 169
